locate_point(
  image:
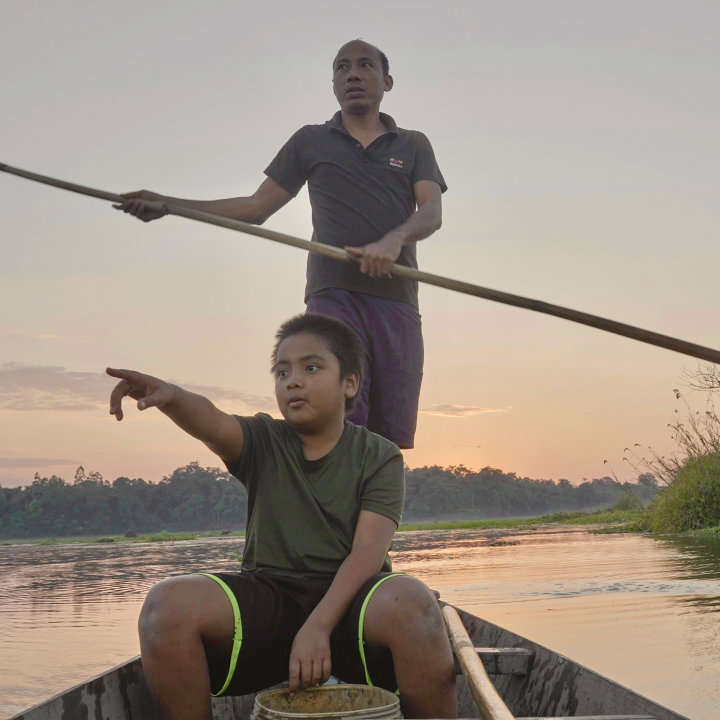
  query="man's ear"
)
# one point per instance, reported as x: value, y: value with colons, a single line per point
x: 389, y: 82
x: 352, y: 385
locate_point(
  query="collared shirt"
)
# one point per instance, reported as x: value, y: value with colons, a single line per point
x: 358, y: 195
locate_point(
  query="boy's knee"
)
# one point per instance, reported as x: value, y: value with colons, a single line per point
x: 407, y: 604
x: 168, y: 606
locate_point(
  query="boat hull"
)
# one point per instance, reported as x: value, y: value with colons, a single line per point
x: 554, y: 687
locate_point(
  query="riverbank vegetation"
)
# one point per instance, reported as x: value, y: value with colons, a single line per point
x: 607, y: 520
x: 689, y: 500
x: 194, y: 499
x: 692, y: 500
x: 610, y: 518
x: 154, y: 538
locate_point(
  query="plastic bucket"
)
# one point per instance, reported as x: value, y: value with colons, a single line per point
x: 360, y: 702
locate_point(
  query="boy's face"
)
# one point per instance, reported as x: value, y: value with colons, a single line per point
x: 309, y: 390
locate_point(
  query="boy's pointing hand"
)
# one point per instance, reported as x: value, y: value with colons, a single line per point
x: 147, y: 390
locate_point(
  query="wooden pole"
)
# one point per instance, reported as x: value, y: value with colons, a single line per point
x: 486, y: 697
x: 617, y: 328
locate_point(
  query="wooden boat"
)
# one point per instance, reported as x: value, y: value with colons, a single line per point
x: 533, y: 681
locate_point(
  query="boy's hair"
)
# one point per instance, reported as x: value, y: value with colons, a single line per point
x: 342, y: 341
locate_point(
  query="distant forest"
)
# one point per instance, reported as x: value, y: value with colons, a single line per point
x: 197, y: 498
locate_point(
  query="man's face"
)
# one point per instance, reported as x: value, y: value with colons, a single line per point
x: 309, y: 390
x: 358, y: 81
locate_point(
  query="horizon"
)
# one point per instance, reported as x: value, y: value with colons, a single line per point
x: 38, y: 475
x: 580, y: 145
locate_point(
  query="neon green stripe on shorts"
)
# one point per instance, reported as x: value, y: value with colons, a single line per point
x: 361, y: 624
x: 237, y: 635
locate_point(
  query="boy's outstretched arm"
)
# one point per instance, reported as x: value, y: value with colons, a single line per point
x: 195, y: 414
x: 310, y: 661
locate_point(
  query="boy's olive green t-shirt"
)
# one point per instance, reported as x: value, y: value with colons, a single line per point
x: 302, y: 513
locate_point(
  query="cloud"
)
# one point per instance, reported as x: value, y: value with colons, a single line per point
x: 43, y: 387
x: 229, y: 397
x: 30, y: 333
x: 37, y: 387
x: 34, y: 462
x: 459, y: 410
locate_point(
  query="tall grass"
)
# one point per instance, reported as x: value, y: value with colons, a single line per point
x: 690, y: 499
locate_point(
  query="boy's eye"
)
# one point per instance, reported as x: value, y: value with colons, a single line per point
x: 281, y: 373
x: 312, y: 368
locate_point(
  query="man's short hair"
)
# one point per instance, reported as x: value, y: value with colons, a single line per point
x: 341, y: 340
x: 383, y: 58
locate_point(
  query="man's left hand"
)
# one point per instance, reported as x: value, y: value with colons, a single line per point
x: 376, y: 259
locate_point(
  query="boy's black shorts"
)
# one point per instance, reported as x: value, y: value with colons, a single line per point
x: 269, y: 610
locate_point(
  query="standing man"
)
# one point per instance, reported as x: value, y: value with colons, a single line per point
x: 375, y: 190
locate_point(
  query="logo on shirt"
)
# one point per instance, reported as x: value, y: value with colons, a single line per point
x: 396, y: 163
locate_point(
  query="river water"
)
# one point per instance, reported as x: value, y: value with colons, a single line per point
x: 642, y: 611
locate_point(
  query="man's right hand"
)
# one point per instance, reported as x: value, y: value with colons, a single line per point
x: 134, y: 205
x: 147, y: 390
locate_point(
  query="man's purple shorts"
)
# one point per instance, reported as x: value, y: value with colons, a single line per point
x: 391, y: 334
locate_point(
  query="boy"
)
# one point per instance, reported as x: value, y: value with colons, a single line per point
x: 315, y: 593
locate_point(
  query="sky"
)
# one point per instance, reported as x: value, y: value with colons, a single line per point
x: 580, y: 143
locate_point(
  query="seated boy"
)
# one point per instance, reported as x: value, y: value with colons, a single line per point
x: 315, y: 593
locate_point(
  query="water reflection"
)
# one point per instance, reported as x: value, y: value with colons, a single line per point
x: 698, y: 559
x: 44, y: 575
x: 641, y: 610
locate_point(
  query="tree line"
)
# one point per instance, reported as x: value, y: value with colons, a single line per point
x: 205, y: 498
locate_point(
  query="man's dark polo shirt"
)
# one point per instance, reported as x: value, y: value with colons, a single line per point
x: 357, y: 196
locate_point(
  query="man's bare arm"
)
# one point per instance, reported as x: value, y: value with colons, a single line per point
x: 310, y: 661
x: 377, y: 258
x: 195, y: 414
x: 254, y: 209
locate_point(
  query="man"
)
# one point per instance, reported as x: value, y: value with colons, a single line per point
x: 324, y: 500
x: 375, y: 190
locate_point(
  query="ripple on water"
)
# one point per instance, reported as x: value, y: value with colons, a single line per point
x: 642, y: 611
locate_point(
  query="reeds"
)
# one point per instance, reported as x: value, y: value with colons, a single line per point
x: 690, y: 499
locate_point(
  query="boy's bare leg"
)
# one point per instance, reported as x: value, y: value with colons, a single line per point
x: 184, y: 618
x: 404, y: 616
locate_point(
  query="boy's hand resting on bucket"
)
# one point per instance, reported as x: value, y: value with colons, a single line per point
x: 310, y: 657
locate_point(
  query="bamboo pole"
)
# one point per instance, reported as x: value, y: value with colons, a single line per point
x: 486, y: 697
x: 617, y: 328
